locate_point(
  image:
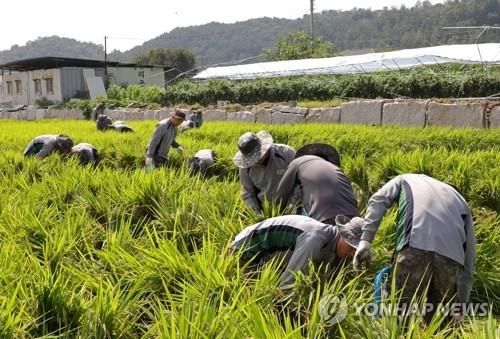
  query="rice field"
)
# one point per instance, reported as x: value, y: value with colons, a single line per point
x: 115, y: 252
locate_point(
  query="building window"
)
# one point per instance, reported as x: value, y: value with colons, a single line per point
x: 49, y: 85
x: 9, y: 87
x: 19, y: 89
x: 38, y: 86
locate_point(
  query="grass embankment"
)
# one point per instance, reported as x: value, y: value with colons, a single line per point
x: 163, y: 270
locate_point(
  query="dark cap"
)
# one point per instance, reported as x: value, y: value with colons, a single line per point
x: 325, y: 151
x: 179, y: 114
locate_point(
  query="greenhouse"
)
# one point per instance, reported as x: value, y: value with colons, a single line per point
x: 373, y: 62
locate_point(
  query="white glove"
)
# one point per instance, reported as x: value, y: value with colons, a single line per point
x: 362, y: 255
x: 180, y: 149
x: 149, y: 164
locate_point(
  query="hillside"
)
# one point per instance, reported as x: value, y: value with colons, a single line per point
x: 386, y: 29
x: 53, y: 46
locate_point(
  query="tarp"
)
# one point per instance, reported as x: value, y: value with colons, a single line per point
x: 371, y: 62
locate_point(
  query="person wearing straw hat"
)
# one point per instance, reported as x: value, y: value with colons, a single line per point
x: 261, y: 164
x: 86, y: 153
x: 326, y: 191
x: 435, y: 243
x: 304, y: 239
x: 44, y: 145
x: 163, y: 138
x: 202, y: 161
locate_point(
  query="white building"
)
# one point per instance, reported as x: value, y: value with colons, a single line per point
x: 23, y: 82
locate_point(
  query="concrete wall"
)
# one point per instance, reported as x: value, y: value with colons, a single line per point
x: 28, y: 95
x: 72, y: 82
x: 241, y: 116
x: 323, y: 115
x: 289, y: 115
x: 405, y: 113
x: 367, y: 112
x: 469, y: 115
x: 411, y: 113
x: 41, y: 113
x: 214, y: 115
x: 494, y: 118
x: 137, y: 76
x: 263, y: 116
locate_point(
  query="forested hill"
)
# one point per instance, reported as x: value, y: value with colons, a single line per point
x: 53, y: 46
x: 386, y: 29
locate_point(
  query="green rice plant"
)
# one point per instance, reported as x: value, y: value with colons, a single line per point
x: 113, y: 251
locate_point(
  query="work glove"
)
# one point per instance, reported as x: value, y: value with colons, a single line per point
x: 180, y: 150
x: 149, y: 164
x: 362, y: 255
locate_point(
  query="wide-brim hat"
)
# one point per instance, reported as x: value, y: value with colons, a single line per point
x: 325, y: 151
x: 252, y: 148
x: 350, y: 229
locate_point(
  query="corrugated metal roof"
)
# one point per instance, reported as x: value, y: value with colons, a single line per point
x: 371, y: 62
x: 57, y: 62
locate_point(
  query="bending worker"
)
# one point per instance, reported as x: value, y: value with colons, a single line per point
x: 261, y: 165
x: 44, y: 145
x: 163, y: 138
x: 326, y: 191
x: 435, y: 242
x: 306, y: 238
x: 202, y: 161
x: 86, y: 153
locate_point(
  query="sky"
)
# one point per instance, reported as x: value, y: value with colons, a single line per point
x: 130, y: 23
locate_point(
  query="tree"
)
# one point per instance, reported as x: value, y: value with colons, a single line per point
x: 179, y: 59
x: 299, y: 45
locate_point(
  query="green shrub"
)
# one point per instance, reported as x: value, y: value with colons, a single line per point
x: 43, y: 102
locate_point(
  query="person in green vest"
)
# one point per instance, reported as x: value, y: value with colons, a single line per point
x: 305, y: 239
x: 44, y: 145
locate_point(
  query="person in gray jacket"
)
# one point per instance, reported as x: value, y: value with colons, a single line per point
x: 435, y: 241
x: 326, y: 191
x: 103, y: 122
x: 261, y: 166
x: 121, y: 127
x: 195, y: 120
x: 96, y: 111
x: 44, y: 145
x: 307, y: 239
x: 86, y: 153
x: 163, y: 138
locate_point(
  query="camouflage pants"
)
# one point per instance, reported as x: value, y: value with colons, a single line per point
x: 416, y: 269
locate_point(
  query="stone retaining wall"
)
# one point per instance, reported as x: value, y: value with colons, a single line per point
x: 494, y: 118
x: 406, y: 113
x: 366, y: 112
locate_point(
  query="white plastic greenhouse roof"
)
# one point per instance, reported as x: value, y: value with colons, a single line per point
x: 372, y: 62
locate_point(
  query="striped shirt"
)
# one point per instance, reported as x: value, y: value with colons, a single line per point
x: 432, y: 216
x: 308, y: 238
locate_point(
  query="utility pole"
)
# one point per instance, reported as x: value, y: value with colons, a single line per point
x: 105, y: 62
x: 312, y: 18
